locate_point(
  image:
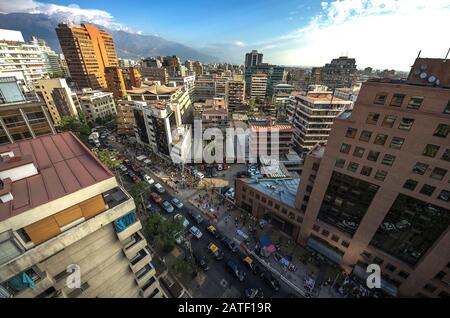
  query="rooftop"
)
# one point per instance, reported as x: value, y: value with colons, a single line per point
x: 64, y: 165
x: 281, y: 190
x: 154, y: 90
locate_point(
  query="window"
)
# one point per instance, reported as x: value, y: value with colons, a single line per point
x: 284, y: 211
x: 380, y: 99
x: 366, y: 171
x: 410, y: 184
x: 316, y: 228
x: 440, y: 275
x: 277, y: 207
x: 406, y: 124
x: 397, y: 143
x: 373, y: 155
x: 380, y: 139
x: 352, y: 166
x: 442, y: 131
x: 388, y: 160
x: 372, y: 118
x: 365, y: 135
x: 430, y: 150
x: 359, y: 152
x: 315, y: 166
x: 427, y: 189
x: 446, y: 155
x: 257, y: 196
x: 345, y: 148
x: 340, y: 163
x: 444, y: 196
x: 429, y: 288
x: 335, y: 238
x: 345, y: 244
x: 264, y: 200
x: 420, y: 168
x: 403, y: 274
x: 447, y: 108
x: 390, y: 267
x: 380, y: 175
x: 438, y: 173
x: 351, y: 133
x: 325, y: 233
x: 415, y: 102
x: 270, y: 203
x: 397, y: 100
x: 389, y: 121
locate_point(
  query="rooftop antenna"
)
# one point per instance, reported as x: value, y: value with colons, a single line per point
x: 418, y: 55
x: 446, y: 55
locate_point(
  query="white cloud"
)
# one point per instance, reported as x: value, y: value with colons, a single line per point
x: 378, y: 33
x: 71, y: 13
x: 239, y: 43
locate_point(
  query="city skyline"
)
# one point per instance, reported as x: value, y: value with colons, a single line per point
x: 292, y: 35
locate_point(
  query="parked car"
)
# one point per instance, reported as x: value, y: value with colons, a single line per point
x: 167, y: 207
x: 252, y: 265
x: 148, y: 179
x: 123, y: 168
x: 230, y: 244
x: 195, y: 217
x: 156, y: 197
x: 236, y: 270
x: 254, y: 293
x: 215, y: 251
x: 182, y: 219
x: 177, y: 203
x: 159, y: 188
x: 270, y: 281
x: 201, y: 261
x: 199, y: 175
x: 196, y: 232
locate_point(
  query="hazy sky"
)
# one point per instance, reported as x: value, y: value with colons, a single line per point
x: 378, y: 33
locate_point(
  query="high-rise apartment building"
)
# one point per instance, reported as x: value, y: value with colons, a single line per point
x: 312, y: 115
x: 235, y: 94
x: 97, y: 105
x: 63, y: 212
x: 115, y: 82
x: 258, y: 85
x: 315, y: 77
x: 20, y: 59
x: 51, y: 59
x: 131, y: 77
x: 88, y: 51
x: 253, y: 58
x: 339, y: 73
x: 58, y: 97
x: 275, y: 75
x: 125, y: 117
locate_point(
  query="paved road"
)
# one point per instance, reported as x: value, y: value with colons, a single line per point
x: 219, y: 282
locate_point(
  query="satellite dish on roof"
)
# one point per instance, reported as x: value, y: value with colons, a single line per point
x: 423, y: 75
x: 432, y: 79
x: 417, y: 72
x: 423, y: 67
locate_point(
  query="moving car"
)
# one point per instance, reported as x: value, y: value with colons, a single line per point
x: 270, y: 281
x: 201, y: 261
x: 148, y: 179
x: 156, y: 197
x: 215, y: 251
x: 234, y: 269
x: 159, y: 188
x: 196, y: 232
x: 182, y: 220
x: 254, y: 293
x: 195, y: 217
x: 252, y: 265
x: 177, y: 203
x: 230, y: 244
x: 213, y: 231
x: 167, y: 207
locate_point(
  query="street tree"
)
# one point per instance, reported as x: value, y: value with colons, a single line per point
x: 78, y: 125
x: 163, y: 231
x: 108, y: 158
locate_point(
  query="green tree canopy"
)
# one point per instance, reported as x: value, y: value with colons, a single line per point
x: 108, y: 158
x: 79, y: 126
x: 163, y: 231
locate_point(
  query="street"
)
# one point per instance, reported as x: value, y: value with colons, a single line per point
x: 218, y: 281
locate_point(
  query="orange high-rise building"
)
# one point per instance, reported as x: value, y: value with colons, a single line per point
x: 115, y: 82
x: 88, y: 51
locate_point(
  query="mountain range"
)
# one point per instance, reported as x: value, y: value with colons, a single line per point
x: 128, y: 45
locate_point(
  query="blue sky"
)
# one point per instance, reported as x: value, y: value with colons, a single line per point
x: 378, y: 33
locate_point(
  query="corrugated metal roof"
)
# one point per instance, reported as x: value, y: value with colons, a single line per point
x: 65, y: 165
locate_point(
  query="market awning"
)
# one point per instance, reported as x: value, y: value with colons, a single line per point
x: 325, y: 250
x: 265, y: 241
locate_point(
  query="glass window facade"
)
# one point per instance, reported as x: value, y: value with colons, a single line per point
x: 346, y: 201
x: 410, y: 228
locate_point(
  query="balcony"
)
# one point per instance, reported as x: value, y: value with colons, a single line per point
x: 144, y: 275
x: 44, y: 283
x: 136, y: 243
x: 140, y: 260
x: 126, y: 226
